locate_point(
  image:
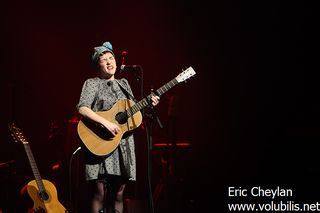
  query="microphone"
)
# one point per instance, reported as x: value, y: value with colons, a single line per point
x: 129, y: 68
x: 123, y: 56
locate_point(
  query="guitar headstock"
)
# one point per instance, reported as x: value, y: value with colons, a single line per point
x: 186, y: 74
x: 17, y: 134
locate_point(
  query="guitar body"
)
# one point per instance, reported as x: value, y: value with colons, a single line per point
x: 50, y: 205
x: 99, y: 140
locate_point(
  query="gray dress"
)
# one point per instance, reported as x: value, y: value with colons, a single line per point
x: 100, y: 95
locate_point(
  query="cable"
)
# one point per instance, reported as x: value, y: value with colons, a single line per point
x: 70, y: 174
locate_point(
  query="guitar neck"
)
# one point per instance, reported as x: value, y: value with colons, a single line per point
x: 34, y: 167
x: 145, y: 101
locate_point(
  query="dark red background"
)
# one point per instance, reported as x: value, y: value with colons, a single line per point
x: 251, y: 112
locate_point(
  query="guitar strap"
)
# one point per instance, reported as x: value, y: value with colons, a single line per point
x: 125, y: 91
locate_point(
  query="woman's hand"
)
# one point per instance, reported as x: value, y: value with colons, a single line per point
x: 88, y: 113
x: 155, y: 100
x: 113, y: 128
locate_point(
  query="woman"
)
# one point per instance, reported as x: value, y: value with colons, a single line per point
x: 108, y: 174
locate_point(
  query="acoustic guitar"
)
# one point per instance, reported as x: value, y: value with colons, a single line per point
x: 126, y: 114
x: 42, y: 192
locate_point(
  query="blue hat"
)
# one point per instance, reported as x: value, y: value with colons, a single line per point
x: 106, y: 47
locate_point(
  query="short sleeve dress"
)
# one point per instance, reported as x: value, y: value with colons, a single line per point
x: 100, y: 95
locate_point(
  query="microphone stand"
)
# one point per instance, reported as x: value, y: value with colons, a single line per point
x: 149, y: 127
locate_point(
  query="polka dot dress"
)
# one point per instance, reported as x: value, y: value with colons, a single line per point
x: 100, y: 95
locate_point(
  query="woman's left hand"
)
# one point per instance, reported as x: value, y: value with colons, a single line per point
x: 155, y: 100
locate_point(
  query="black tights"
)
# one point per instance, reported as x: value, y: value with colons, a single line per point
x: 110, y: 191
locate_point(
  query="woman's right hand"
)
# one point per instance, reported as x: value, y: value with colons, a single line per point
x: 88, y: 113
x: 113, y: 128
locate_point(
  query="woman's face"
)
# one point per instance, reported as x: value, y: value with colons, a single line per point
x: 107, y: 65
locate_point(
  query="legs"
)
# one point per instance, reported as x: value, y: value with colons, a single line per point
x: 98, y: 196
x: 119, y: 199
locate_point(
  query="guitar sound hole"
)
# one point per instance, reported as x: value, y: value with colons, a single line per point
x: 121, y: 117
x: 44, y: 195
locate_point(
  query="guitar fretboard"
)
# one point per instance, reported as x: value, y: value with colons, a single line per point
x: 34, y: 167
x: 145, y: 101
